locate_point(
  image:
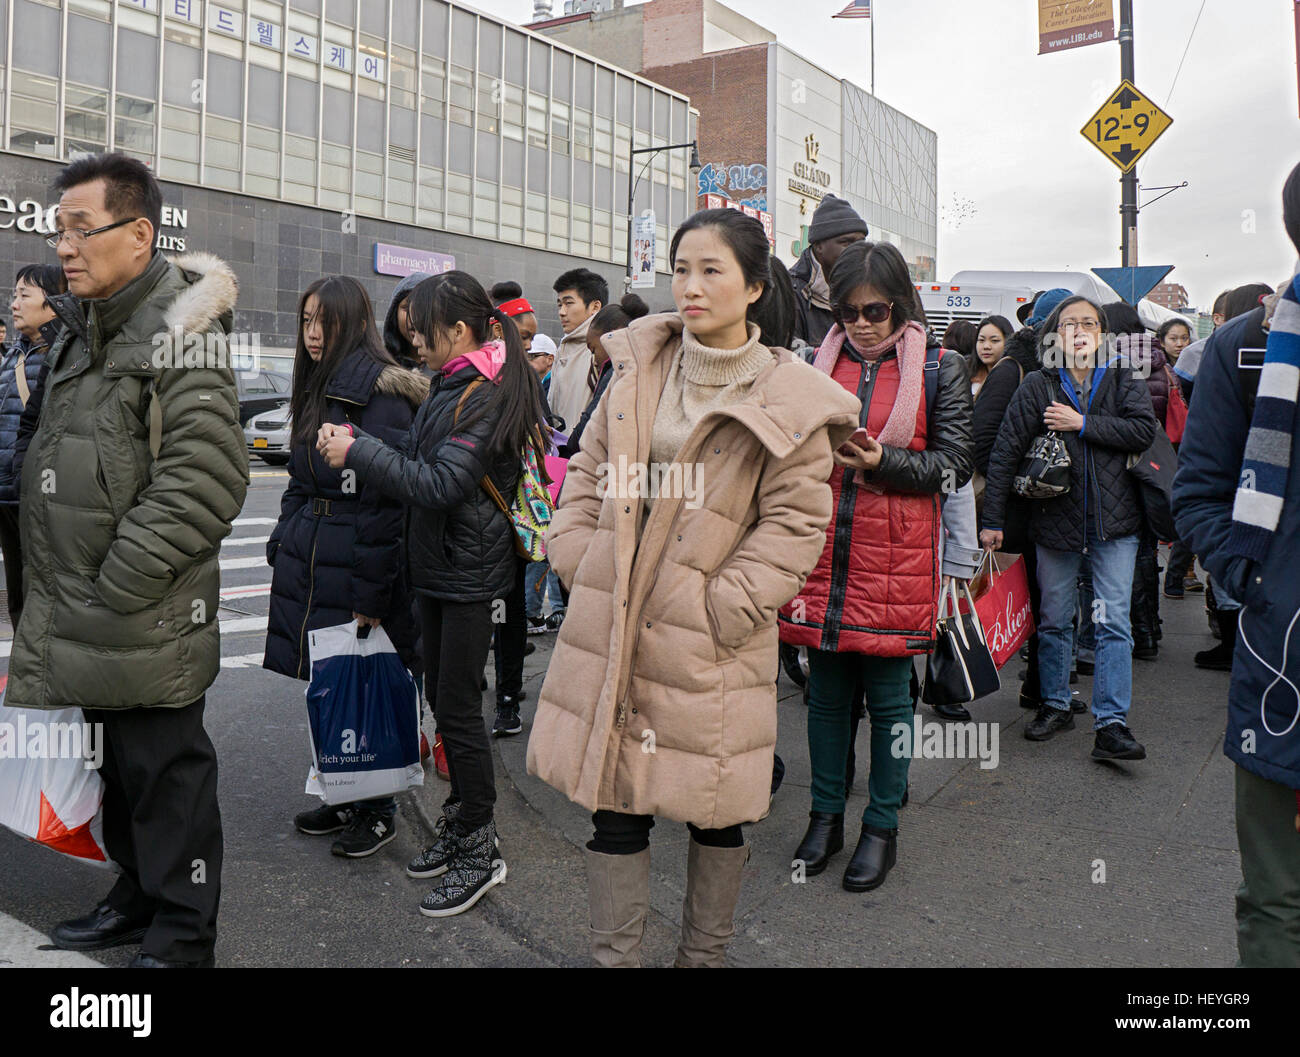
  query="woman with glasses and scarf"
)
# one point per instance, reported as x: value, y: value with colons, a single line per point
x: 871, y: 604
x: 1101, y: 408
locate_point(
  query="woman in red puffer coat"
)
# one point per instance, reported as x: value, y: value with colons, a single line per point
x: 871, y: 603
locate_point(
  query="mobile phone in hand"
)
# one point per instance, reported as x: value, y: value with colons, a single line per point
x: 859, y: 437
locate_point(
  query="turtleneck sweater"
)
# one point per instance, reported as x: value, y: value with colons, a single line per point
x: 701, y: 380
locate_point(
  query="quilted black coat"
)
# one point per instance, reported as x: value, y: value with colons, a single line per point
x: 1117, y: 422
x: 460, y: 545
x: 335, y: 551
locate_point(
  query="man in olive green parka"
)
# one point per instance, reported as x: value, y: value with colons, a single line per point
x: 133, y: 478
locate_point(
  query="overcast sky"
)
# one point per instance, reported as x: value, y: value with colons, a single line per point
x: 1019, y: 187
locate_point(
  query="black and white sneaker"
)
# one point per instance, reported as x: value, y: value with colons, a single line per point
x: 507, y: 721
x: 366, y: 834
x: 554, y: 621
x: 328, y: 818
x: 434, y: 860
x: 537, y: 626
x: 476, y: 866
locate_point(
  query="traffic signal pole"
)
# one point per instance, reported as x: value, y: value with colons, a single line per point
x: 1128, y: 182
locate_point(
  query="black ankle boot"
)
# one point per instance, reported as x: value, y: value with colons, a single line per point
x: 824, y: 838
x: 1219, y: 658
x: 874, y: 857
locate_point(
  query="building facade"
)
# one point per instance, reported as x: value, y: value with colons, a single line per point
x: 296, y: 136
x: 776, y: 131
x: 1170, y: 295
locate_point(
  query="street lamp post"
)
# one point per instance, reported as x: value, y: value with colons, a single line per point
x: 632, y: 186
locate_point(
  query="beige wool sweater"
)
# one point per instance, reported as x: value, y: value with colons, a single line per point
x: 700, y: 380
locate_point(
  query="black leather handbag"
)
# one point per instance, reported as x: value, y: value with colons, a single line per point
x: 960, y: 668
x: 1045, y: 471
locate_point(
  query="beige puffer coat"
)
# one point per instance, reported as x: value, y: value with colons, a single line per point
x: 660, y: 698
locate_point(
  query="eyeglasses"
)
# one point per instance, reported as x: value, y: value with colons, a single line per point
x: 1080, y: 324
x: 876, y: 312
x: 77, y: 236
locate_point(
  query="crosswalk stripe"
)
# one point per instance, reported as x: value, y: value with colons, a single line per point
x: 253, y: 521
x: 243, y: 541
x: 244, y: 563
x: 233, y: 626
x: 245, y: 660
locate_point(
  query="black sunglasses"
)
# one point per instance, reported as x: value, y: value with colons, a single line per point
x: 876, y: 312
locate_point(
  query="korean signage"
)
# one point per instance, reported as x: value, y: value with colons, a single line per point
x: 1065, y: 24
x: 263, y: 33
x: 643, y: 250
x: 403, y: 260
x: 761, y: 215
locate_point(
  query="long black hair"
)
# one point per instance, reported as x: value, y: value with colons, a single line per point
x: 778, y: 316
x: 348, y: 325
x: 514, y: 403
x: 877, y: 264
x: 747, y: 241
x: 616, y: 317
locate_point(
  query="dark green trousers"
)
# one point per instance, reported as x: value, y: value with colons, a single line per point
x: 1268, y: 901
x: 832, y: 678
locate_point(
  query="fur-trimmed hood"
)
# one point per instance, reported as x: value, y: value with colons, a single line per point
x: 403, y: 382
x: 210, y: 296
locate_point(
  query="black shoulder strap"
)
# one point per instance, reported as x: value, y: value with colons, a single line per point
x: 932, y: 357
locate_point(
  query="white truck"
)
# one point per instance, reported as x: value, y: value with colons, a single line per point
x: 973, y: 294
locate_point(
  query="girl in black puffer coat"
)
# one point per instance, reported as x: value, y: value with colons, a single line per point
x: 336, y: 551
x: 484, y: 407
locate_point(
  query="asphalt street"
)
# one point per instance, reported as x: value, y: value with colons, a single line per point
x: 1047, y: 859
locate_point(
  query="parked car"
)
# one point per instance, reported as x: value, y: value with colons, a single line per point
x: 267, y: 435
x: 260, y: 391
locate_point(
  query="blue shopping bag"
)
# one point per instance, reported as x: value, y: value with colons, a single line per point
x: 363, y: 714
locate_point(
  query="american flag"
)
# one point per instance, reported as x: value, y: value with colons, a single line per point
x: 857, y: 9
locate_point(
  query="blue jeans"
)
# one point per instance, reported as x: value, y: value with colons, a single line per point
x: 533, y: 589
x: 1111, y: 564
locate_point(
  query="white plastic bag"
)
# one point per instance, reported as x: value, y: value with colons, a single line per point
x: 363, y: 717
x: 50, y: 788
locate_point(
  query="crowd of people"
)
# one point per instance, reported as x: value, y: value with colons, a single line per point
x: 837, y: 463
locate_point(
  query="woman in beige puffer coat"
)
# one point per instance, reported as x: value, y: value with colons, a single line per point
x: 696, y: 508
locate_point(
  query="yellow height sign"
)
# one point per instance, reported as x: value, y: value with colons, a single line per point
x: 1126, y: 126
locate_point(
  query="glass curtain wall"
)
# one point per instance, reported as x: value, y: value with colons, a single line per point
x: 416, y: 111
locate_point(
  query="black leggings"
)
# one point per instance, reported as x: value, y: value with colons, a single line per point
x: 620, y: 834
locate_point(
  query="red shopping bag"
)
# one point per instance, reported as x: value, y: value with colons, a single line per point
x: 1001, y: 592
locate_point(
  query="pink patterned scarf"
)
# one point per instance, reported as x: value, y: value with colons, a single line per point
x: 900, y: 427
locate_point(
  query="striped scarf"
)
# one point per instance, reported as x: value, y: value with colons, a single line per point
x: 1267, y: 462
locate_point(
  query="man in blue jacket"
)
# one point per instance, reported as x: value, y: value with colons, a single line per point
x: 1237, y: 504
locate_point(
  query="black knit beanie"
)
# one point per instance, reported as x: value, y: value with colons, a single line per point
x: 1290, y: 206
x: 833, y: 218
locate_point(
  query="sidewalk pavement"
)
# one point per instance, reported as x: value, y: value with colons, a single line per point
x: 1047, y: 859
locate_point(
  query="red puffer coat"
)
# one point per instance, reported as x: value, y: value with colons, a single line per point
x: 876, y: 586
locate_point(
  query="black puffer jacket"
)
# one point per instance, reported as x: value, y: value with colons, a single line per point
x: 460, y: 546
x: 1117, y: 422
x: 337, y: 548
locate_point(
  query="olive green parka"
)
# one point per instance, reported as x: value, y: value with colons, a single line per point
x: 133, y: 478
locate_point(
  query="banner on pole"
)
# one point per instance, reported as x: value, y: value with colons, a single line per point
x: 1066, y: 24
x: 643, y: 250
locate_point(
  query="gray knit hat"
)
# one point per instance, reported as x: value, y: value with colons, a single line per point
x: 835, y: 217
